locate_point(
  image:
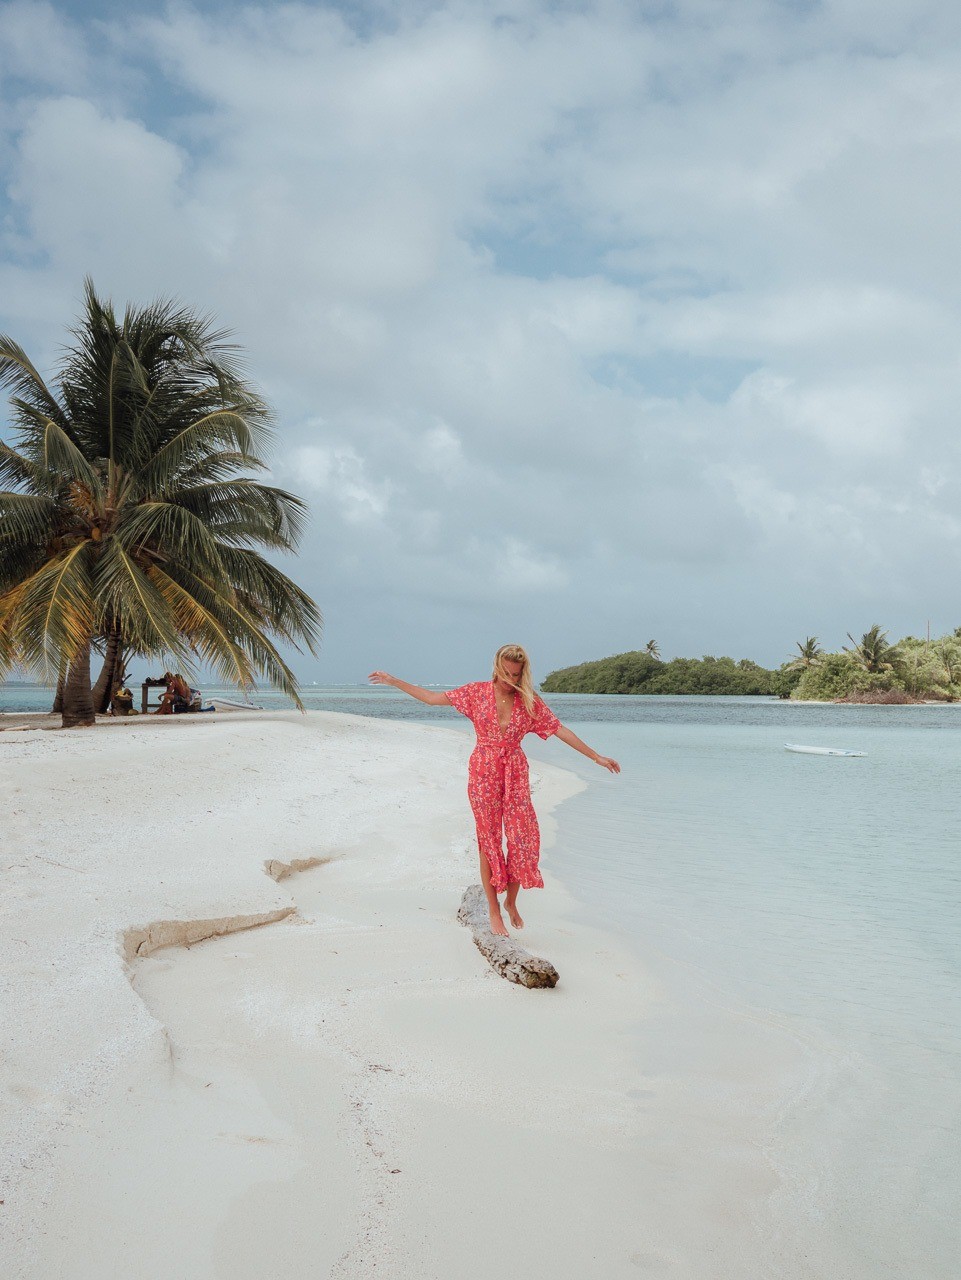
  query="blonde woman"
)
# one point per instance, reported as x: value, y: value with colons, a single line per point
x: 503, y: 709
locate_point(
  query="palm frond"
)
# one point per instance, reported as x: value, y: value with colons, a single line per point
x: 61, y: 455
x: 127, y: 596
x: 269, y: 595
x: 19, y: 376
x: 26, y: 519
x: 220, y: 603
x: 53, y: 619
x: 18, y: 562
x: 9, y: 659
x: 10, y: 653
x: 224, y: 426
x: 203, y: 629
x: 168, y: 531
x: 18, y: 469
x: 245, y: 512
x: 219, y: 464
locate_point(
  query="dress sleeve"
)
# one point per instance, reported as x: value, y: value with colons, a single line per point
x: 545, y: 721
x: 462, y: 700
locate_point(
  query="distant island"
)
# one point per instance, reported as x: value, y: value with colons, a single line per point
x: 870, y: 670
x: 639, y: 672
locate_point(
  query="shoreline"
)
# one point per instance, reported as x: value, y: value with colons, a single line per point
x: 13, y: 720
x: 29, y: 720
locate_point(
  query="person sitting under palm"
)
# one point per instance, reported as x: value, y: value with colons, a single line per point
x: 176, y: 696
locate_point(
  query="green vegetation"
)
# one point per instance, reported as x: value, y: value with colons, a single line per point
x: 838, y: 675
x: 809, y: 654
x: 641, y: 672
x: 870, y: 670
x: 872, y: 653
x: 130, y: 517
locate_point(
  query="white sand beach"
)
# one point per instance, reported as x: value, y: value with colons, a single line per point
x: 349, y: 1090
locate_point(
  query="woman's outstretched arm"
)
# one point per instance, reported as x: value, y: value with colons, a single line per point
x: 572, y: 740
x: 433, y: 697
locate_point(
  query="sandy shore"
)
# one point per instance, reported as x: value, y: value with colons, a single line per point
x: 347, y: 1091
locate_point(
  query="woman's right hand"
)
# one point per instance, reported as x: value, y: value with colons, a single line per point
x: 381, y: 677
x: 607, y: 763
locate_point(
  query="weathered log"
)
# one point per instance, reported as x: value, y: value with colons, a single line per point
x: 502, y: 954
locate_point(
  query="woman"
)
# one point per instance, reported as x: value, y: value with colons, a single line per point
x: 176, y: 697
x: 503, y: 709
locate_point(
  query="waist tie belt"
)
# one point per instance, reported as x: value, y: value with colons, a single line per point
x: 509, y: 754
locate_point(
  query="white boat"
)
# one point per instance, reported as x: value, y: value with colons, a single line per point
x: 820, y: 751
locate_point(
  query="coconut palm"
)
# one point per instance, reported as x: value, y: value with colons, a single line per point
x: 131, y: 521
x: 873, y: 652
x: 809, y: 654
x: 651, y: 648
x: 950, y: 660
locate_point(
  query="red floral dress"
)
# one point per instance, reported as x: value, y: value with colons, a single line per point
x: 498, y: 784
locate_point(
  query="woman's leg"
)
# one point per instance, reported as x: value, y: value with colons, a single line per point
x: 510, y: 902
x: 497, y: 920
x: 523, y: 848
x: 488, y: 811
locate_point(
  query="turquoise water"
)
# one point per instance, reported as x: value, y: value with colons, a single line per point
x: 824, y: 896
x: 820, y: 896
x: 845, y: 873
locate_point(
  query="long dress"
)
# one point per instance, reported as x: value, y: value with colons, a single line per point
x: 498, y: 785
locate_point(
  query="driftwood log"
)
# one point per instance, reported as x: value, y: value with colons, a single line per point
x: 502, y: 954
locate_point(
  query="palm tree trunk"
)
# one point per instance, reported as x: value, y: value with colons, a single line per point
x: 109, y: 674
x: 57, y: 708
x: 77, y: 694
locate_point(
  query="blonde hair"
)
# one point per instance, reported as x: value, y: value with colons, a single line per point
x: 524, y: 686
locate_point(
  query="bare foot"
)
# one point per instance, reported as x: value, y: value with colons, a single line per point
x: 514, y: 914
x: 497, y: 924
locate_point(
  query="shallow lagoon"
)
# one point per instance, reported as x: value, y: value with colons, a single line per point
x: 819, y: 894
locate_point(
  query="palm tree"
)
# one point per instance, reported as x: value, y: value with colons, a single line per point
x: 873, y: 652
x: 131, y: 521
x: 651, y: 648
x: 950, y: 661
x: 809, y: 654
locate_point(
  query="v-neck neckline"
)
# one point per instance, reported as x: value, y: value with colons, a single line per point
x: 497, y: 720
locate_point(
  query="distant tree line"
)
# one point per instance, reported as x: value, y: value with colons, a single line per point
x: 870, y: 669
x: 641, y: 672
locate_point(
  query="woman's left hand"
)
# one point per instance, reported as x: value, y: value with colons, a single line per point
x: 607, y: 763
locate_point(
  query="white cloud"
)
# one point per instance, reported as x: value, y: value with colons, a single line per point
x: 575, y: 319
x: 440, y: 450
x: 852, y: 418
x: 339, y: 475
x: 96, y: 188
x: 518, y: 567
x: 39, y: 45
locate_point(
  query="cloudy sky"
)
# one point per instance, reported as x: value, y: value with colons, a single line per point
x: 585, y: 323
